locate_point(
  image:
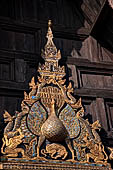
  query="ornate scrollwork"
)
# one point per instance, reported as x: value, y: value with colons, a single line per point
x: 51, y: 113
x: 96, y: 151
x: 11, y: 144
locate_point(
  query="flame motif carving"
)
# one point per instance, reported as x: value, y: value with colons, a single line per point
x: 50, y: 114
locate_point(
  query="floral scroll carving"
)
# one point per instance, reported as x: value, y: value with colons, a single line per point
x: 51, y: 125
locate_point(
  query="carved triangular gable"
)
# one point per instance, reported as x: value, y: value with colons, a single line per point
x: 50, y: 131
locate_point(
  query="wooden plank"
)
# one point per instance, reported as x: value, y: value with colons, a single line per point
x: 101, y: 93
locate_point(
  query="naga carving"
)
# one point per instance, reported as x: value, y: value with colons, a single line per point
x: 51, y: 125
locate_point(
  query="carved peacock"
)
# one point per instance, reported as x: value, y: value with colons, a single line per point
x: 51, y: 113
x: 53, y: 121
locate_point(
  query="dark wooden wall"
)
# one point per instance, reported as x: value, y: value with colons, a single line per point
x: 23, y: 26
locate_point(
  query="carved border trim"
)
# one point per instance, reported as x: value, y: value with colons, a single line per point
x: 48, y: 166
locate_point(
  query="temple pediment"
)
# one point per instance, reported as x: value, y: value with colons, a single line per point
x: 50, y: 132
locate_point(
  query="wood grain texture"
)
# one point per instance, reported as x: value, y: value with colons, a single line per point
x: 88, y: 58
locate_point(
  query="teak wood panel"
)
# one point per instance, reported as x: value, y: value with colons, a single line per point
x: 23, y: 28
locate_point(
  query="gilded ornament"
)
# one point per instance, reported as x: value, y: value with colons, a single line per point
x: 55, y: 151
x: 52, y: 116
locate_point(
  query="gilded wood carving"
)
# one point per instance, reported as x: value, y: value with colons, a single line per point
x: 51, y: 125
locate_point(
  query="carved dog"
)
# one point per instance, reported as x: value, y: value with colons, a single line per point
x: 55, y: 151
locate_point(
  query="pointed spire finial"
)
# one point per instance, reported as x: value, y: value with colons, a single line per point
x: 50, y: 48
x: 51, y: 56
x: 49, y: 33
x: 49, y: 23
